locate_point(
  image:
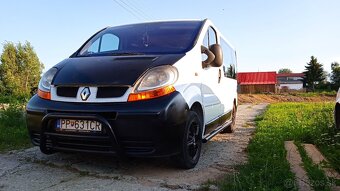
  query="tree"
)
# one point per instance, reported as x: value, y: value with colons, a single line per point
x: 20, y: 69
x: 335, y: 75
x: 284, y: 70
x: 314, y: 73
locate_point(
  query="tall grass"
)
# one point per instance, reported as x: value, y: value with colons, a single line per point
x: 13, y: 131
x: 315, y: 94
x: 267, y: 167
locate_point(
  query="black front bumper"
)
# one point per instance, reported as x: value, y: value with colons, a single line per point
x: 143, y: 128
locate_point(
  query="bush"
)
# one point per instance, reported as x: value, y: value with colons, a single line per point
x: 13, y: 131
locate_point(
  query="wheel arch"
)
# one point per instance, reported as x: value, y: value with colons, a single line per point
x: 197, y: 108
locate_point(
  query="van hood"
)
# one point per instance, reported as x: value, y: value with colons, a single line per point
x: 108, y: 70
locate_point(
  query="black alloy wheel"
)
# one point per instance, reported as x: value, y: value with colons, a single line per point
x: 191, y: 142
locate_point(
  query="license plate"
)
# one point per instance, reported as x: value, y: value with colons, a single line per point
x: 78, y: 125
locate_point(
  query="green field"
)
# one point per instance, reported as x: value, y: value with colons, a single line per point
x: 267, y: 167
x: 13, y: 131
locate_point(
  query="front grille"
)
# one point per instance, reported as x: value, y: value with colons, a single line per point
x: 102, y: 92
x: 109, y: 92
x: 87, y: 143
x: 35, y: 136
x: 67, y: 91
x: 138, y: 146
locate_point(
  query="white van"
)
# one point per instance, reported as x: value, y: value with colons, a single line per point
x: 141, y: 90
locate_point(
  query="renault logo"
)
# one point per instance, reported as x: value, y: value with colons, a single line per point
x: 85, y: 93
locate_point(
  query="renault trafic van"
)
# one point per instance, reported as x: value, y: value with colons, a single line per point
x: 156, y: 89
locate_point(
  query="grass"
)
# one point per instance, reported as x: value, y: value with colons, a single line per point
x: 13, y: 131
x: 317, y: 177
x: 5, y: 99
x: 267, y: 167
x: 315, y: 94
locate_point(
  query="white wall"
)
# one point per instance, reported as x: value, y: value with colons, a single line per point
x: 292, y: 86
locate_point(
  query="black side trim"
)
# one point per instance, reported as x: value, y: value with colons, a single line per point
x: 217, y: 126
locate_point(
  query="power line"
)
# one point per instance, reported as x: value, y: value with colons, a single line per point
x: 145, y: 8
x: 128, y: 10
x: 138, y: 8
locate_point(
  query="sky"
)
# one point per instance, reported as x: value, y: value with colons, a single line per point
x: 267, y: 34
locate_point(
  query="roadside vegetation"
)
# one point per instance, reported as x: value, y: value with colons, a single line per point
x: 20, y: 71
x: 13, y: 131
x: 315, y: 94
x: 267, y: 167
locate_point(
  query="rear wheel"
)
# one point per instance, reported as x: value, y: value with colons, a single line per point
x: 231, y: 127
x: 191, y: 142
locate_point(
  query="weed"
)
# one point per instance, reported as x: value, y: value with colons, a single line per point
x: 267, y: 167
x: 317, y: 177
x: 13, y: 131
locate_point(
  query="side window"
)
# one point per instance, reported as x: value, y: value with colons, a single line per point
x: 229, y: 60
x: 212, y: 36
x: 209, y: 39
x: 94, y: 48
x: 205, y: 44
x: 234, y: 63
x: 109, y: 42
x: 206, y: 40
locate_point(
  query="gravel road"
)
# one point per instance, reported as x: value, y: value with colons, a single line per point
x: 31, y: 170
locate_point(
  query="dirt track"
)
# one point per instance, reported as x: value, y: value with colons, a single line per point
x: 31, y: 170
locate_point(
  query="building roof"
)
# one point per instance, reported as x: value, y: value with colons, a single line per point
x: 291, y: 75
x: 248, y: 78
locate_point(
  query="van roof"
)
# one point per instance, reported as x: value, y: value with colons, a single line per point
x: 162, y: 21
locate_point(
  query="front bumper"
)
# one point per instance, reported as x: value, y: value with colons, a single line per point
x: 143, y: 128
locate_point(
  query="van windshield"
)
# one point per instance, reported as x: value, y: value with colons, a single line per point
x: 146, y: 38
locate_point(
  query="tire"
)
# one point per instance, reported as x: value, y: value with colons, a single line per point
x: 231, y: 127
x: 191, y: 142
x: 336, y: 118
x: 47, y: 151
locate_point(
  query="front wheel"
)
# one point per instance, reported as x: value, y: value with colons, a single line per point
x: 191, y: 142
x: 337, y: 117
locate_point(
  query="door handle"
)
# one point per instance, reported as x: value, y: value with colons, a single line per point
x: 219, y: 75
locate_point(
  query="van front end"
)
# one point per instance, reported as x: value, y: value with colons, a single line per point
x: 149, y: 128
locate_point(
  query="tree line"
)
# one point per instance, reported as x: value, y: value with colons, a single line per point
x: 20, y: 70
x: 316, y: 78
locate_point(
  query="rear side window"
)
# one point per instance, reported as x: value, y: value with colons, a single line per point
x: 229, y: 60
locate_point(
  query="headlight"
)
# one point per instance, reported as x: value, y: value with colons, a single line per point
x: 155, y: 83
x: 45, y: 83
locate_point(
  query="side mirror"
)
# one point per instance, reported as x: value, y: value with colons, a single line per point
x: 210, y: 55
x: 218, y: 53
